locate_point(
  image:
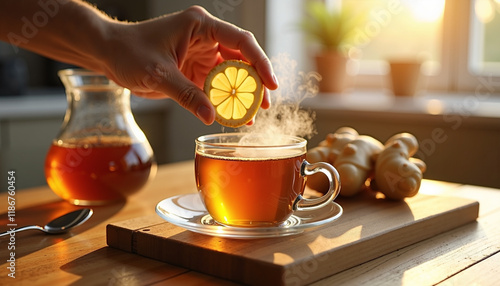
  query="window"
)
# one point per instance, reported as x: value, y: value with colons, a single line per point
x: 398, y: 30
x: 457, y: 41
x: 484, y: 51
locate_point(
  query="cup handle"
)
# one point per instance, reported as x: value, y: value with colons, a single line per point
x: 331, y: 173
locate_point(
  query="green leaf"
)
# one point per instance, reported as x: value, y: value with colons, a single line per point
x: 332, y: 29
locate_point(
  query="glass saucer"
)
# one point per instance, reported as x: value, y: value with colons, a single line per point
x: 188, y: 211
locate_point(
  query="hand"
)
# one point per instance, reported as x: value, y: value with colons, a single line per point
x: 170, y: 56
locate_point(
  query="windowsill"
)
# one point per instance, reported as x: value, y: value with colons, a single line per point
x: 430, y: 106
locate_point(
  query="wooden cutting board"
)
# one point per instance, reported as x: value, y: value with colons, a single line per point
x: 368, y: 228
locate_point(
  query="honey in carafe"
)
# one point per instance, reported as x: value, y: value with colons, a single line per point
x: 97, y: 173
x: 100, y: 154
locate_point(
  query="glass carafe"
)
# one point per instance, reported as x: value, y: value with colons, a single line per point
x: 100, y: 154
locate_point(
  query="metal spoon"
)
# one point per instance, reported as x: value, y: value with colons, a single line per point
x: 60, y: 224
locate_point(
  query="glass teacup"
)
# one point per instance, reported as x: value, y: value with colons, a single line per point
x: 246, y: 183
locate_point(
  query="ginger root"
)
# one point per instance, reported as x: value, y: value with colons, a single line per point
x: 351, y: 154
x: 355, y: 163
x: 397, y: 175
x: 363, y: 161
x: 327, y: 151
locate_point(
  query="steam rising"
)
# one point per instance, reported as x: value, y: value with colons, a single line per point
x: 285, y: 117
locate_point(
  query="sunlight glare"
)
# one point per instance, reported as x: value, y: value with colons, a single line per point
x: 435, y: 107
x: 484, y: 10
x: 282, y: 258
x: 426, y: 10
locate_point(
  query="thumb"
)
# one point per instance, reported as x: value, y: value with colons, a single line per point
x: 179, y: 88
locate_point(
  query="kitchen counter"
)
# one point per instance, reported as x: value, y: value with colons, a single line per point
x: 52, y: 102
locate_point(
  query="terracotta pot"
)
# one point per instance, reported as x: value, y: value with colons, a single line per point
x: 332, y: 68
x: 405, y: 76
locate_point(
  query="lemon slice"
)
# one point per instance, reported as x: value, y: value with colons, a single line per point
x: 236, y: 91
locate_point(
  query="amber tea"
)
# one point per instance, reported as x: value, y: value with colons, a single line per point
x: 94, y: 174
x: 241, y: 191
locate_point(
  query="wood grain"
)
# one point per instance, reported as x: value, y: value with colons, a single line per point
x: 368, y: 229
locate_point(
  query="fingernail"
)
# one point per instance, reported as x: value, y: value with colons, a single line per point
x: 205, y: 114
x: 275, y: 79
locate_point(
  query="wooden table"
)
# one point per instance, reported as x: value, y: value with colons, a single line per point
x: 463, y: 256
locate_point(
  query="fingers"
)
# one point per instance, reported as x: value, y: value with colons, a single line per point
x: 171, y: 82
x: 167, y: 77
x: 266, y: 101
x: 227, y: 53
x: 232, y: 37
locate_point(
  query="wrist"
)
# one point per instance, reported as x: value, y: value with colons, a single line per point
x: 93, y: 31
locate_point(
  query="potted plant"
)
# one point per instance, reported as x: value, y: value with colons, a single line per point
x: 333, y: 30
